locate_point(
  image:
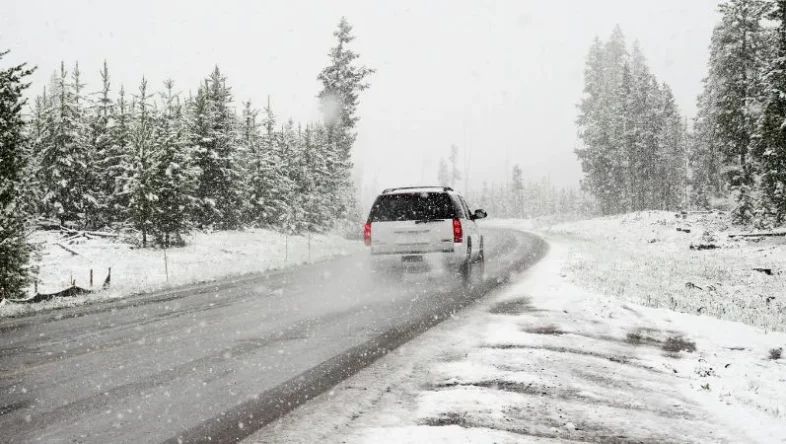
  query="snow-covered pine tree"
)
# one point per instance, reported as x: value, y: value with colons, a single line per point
x: 101, y: 142
x: 315, y: 176
x: 342, y: 81
x: 672, y: 143
x: 36, y: 135
x: 705, y: 158
x: 249, y: 142
x: 268, y: 183
x: 14, y: 249
x: 615, y: 55
x: 115, y: 162
x: 304, y: 174
x: 198, y: 136
x: 65, y: 159
x: 630, y: 118
x: 213, y: 133
x: 736, y: 58
x: 288, y: 151
x: 172, y: 174
x: 601, y: 124
x: 645, y: 109
x: 324, y: 158
x: 82, y: 107
x: 138, y: 184
x: 771, y: 149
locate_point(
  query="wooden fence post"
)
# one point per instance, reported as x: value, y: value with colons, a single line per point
x: 108, y: 279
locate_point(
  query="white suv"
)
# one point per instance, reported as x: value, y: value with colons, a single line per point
x: 413, y: 224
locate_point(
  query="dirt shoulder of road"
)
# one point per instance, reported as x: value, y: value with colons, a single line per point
x: 546, y: 360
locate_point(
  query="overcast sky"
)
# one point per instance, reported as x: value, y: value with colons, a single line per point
x: 498, y: 79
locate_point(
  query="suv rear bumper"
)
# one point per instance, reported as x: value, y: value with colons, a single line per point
x: 455, y: 255
x: 411, y: 250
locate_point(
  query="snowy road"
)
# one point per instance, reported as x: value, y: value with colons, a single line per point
x: 543, y: 360
x: 222, y: 360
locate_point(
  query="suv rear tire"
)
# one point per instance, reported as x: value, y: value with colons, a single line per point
x: 466, y: 267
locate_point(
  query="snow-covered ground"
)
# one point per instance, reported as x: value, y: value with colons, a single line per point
x: 643, y: 258
x: 206, y: 257
x: 547, y: 360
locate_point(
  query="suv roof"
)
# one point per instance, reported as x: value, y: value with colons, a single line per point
x: 416, y: 189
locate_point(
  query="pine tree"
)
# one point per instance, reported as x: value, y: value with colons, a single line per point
x: 630, y: 118
x: 101, y: 142
x: 672, y: 143
x: 36, y: 137
x: 249, y: 144
x: 268, y: 183
x: 115, y: 162
x: 601, y: 124
x: 313, y: 191
x: 216, y: 155
x: 14, y: 249
x: 594, y: 162
x: 342, y: 82
x: 615, y: 56
x: 172, y: 175
x: 735, y: 59
x: 293, y: 215
x: 706, y: 159
x: 138, y: 182
x: 66, y: 158
x: 771, y: 150
x: 646, y: 159
x: 81, y: 107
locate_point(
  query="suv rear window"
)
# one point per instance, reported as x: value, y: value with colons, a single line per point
x: 412, y: 206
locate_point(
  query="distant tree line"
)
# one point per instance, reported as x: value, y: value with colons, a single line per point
x: 637, y: 151
x: 160, y: 163
x: 515, y: 197
x: 528, y: 199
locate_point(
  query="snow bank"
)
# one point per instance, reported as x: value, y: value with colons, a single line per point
x: 206, y: 257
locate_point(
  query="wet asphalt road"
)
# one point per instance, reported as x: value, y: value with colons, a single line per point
x: 214, y: 363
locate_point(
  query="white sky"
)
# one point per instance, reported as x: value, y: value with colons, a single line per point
x: 500, y: 79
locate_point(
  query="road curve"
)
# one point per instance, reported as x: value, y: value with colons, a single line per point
x: 217, y: 362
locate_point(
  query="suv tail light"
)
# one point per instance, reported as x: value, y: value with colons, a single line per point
x: 458, y: 232
x: 367, y: 233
